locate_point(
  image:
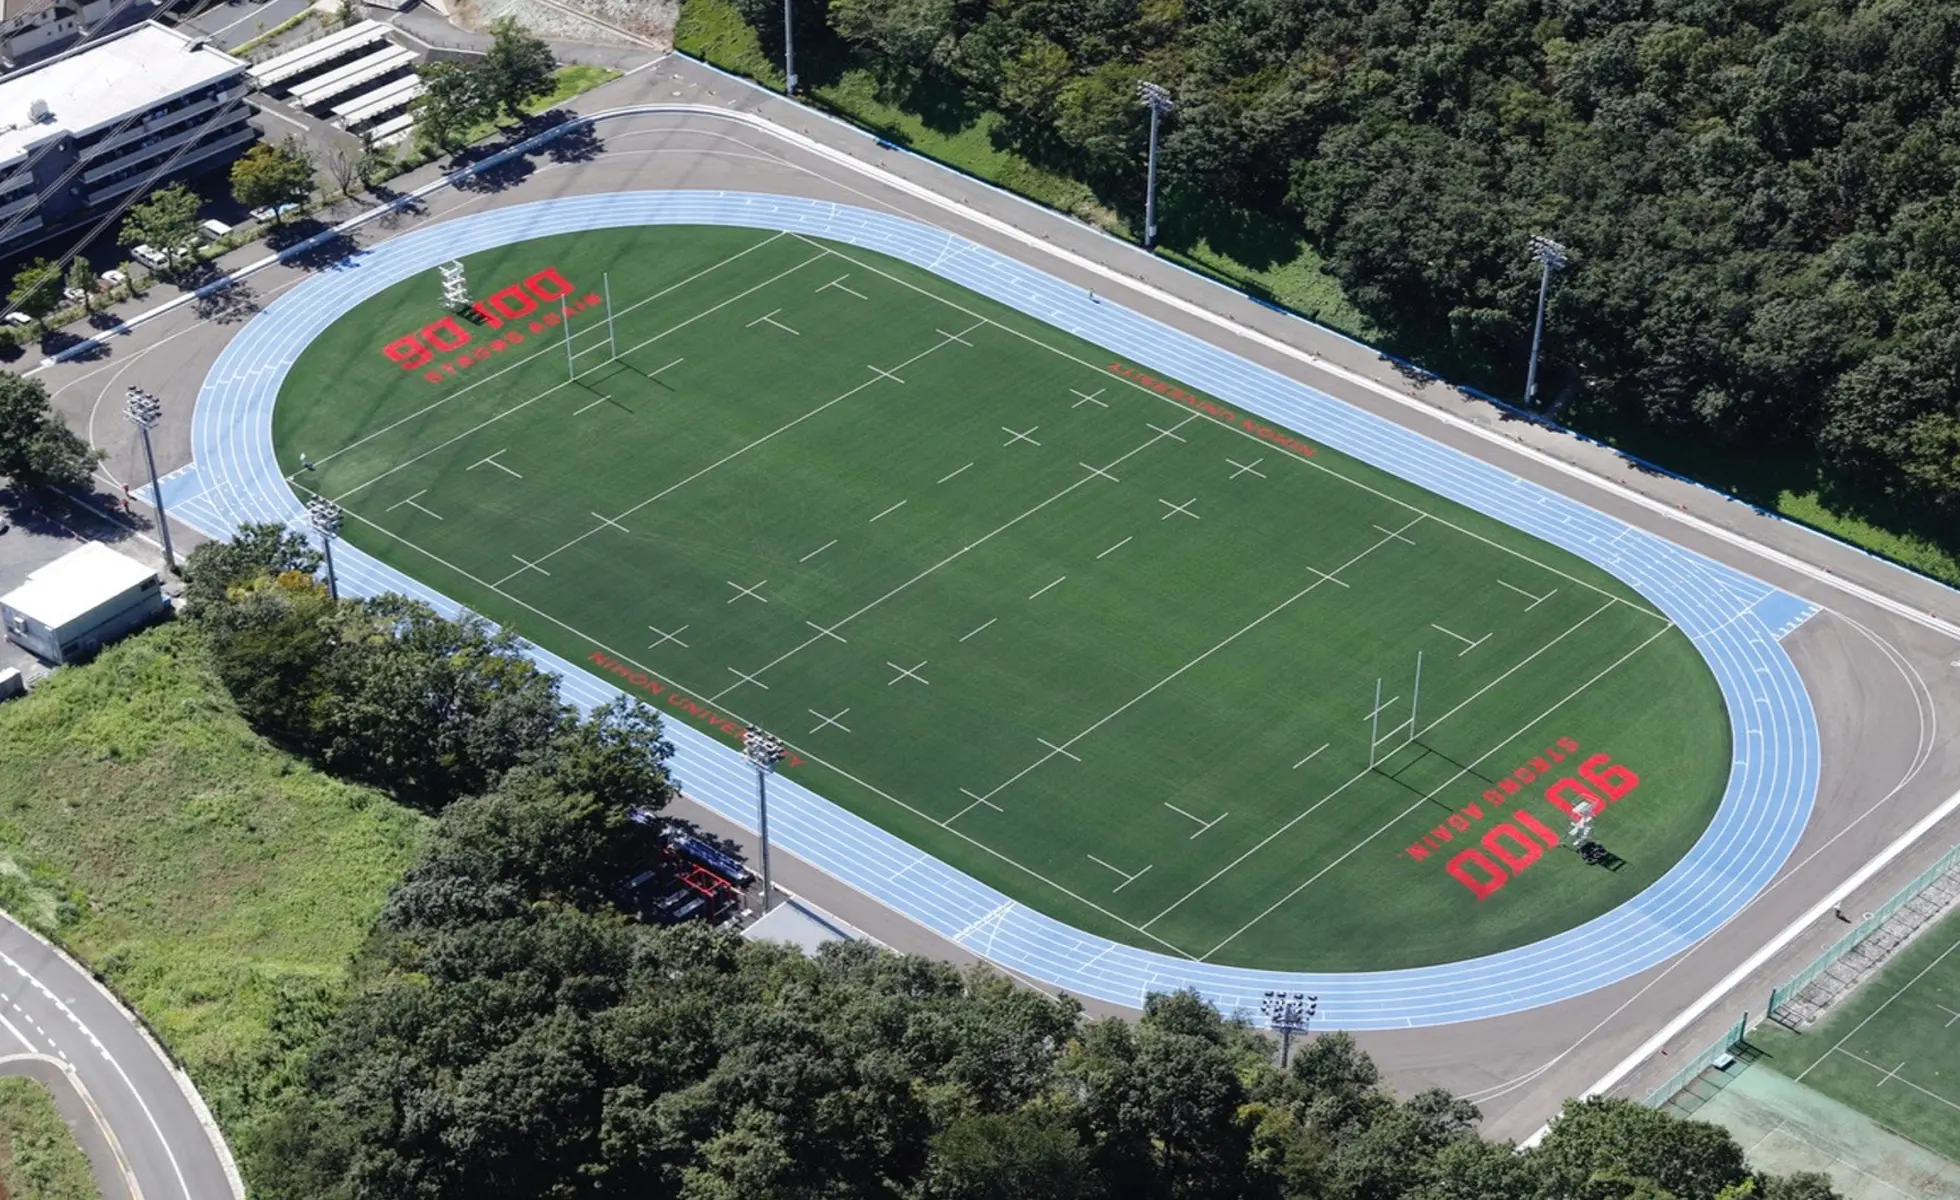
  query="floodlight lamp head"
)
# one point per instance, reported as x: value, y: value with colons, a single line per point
x: 1549, y: 252
x: 325, y: 516
x: 762, y: 749
x: 141, y: 408
x: 1155, y: 97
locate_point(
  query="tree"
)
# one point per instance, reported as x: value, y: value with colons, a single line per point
x: 257, y: 550
x: 1629, y: 1141
x: 81, y: 278
x: 1007, y: 1156
x: 37, y: 449
x: 37, y: 289
x: 166, y: 221
x: 455, y: 100
x: 345, y: 162
x: 270, y: 176
x: 617, y: 754
x: 518, y: 66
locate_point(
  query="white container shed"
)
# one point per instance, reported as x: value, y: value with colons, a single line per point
x: 80, y: 602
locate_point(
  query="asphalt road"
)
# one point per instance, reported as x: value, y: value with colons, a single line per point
x: 135, y: 1118
x: 1882, y: 672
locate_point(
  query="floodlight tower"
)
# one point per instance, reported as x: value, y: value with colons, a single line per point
x: 1552, y: 257
x: 1288, y: 1012
x: 1158, y: 100
x: 142, y: 409
x: 764, y: 751
x: 325, y: 517
x: 789, y: 54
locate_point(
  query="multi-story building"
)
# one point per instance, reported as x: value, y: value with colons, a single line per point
x: 80, y: 132
x: 31, y: 26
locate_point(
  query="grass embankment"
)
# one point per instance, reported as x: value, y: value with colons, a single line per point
x: 39, y: 1159
x: 219, y: 885
x: 1261, y: 256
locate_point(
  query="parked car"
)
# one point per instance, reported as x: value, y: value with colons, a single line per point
x: 213, y: 230
x: 150, y: 257
x: 112, y: 278
x: 74, y: 295
x: 19, y: 318
x: 271, y: 213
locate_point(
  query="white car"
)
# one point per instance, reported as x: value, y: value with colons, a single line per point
x: 74, y: 295
x: 270, y: 213
x: 18, y: 318
x: 112, y: 278
x: 213, y: 230
x: 150, y: 257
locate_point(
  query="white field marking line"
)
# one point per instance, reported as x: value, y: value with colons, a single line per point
x: 1903, y: 989
x: 1233, y: 865
x: 1146, y: 693
x: 1097, y: 470
x: 748, y: 679
x: 770, y: 318
x: 944, y: 478
x: 1015, y: 435
x: 961, y: 552
x: 1247, y: 434
x: 1468, y: 645
x: 990, y: 621
x: 1384, y: 706
x: 1179, y: 510
x: 1309, y: 758
x: 911, y: 672
x: 1893, y: 1073
x: 657, y: 370
x: 611, y: 522
x: 1889, y: 1075
x: 1250, y: 468
x: 888, y: 512
x: 977, y: 801
x: 1044, y: 587
x: 755, y: 590
x: 1526, y: 661
x: 1057, y: 749
x: 528, y: 566
x: 1342, y: 582
x: 1204, y: 826
x: 825, y: 722
x: 891, y: 375
x: 1118, y: 546
x: 829, y: 633
x: 1461, y: 772
x: 1384, y: 530
x: 520, y: 363
x: 1950, y: 1012
x: 1159, y: 430
x: 579, y: 412
x: 552, y: 390
x: 838, y: 283
x: 819, y: 550
x: 1128, y: 878
x: 410, y: 501
x: 492, y: 460
x: 737, y: 453
x: 1088, y: 398
x: 868, y: 786
x: 665, y: 637
x: 1535, y: 600
x: 1459, y: 637
x: 953, y: 337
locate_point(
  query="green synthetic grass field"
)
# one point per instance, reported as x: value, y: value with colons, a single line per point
x: 1065, y: 625
x: 1891, y: 1049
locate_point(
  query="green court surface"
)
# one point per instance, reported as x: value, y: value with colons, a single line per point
x: 1891, y: 1048
x: 1099, y: 641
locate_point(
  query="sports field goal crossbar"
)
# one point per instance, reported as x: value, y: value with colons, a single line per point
x: 1853, y: 948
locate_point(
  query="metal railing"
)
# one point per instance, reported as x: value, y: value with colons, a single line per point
x: 1681, y: 1079
x: 1868, y: 925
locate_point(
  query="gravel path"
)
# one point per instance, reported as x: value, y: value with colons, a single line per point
x: 651, y: 19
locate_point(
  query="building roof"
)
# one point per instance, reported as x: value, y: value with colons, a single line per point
x: 123, y: 74
x: 13, y: 9
x: 75, y: 584
x: 802, y: 925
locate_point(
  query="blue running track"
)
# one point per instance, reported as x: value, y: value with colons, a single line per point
x: 1734, y: 619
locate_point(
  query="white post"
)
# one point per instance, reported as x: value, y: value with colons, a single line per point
x: 565, y: 319
x: 1415, y: 697
x: 612, y: 338
x: 1375, y: 722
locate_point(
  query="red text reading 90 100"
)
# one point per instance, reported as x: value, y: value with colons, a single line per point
x: 514, y: 303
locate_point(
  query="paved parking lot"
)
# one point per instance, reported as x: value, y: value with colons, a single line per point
x: 38, y: 534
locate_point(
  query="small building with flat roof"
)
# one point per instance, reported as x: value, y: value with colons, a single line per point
x: 80, y: 602
x: 134, y: 110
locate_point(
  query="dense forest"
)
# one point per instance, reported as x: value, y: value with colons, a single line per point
x: 513, y: 1034
x: 1757, y: 196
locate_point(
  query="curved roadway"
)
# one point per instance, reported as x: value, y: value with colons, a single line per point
x: 1882, y: 670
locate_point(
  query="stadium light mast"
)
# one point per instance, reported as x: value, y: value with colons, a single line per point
x: 326, y: 516
x: 1157, y: 99
x: 142, y: 409
x: 1552, y: 257
x: 764, y: 751
x: 1288, y: 1012
x: 789, y: 54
